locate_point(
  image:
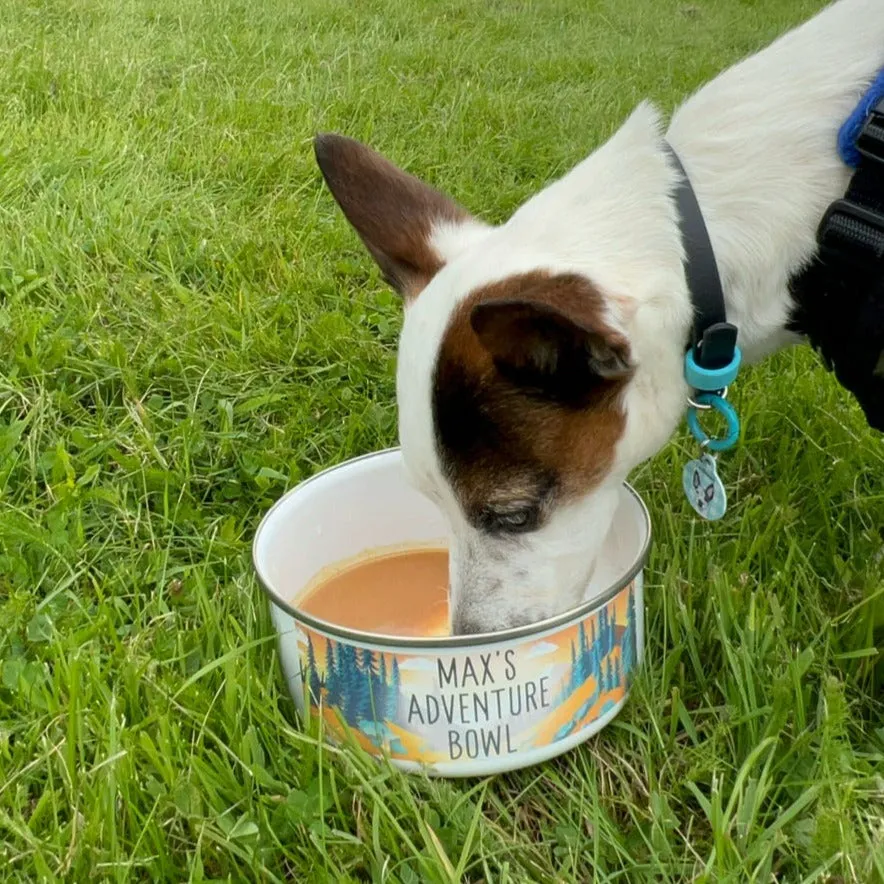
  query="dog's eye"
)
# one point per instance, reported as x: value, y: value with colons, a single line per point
x: 511, y: 521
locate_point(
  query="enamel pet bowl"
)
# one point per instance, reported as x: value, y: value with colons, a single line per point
x: 448, y: 705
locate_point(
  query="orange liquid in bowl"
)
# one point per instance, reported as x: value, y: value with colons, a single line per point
x: 396, y: 593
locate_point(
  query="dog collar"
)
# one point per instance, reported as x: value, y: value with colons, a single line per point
x: 713, y: 358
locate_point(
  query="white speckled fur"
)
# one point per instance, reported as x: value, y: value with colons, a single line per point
x: 759, y: 145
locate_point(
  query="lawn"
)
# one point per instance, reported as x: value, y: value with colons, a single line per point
x: 189, y: 328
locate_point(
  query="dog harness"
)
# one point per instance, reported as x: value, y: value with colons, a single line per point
x: 840, y: 297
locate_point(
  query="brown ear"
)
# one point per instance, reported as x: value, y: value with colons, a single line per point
x: 553, y: 336
x: 393, y: 212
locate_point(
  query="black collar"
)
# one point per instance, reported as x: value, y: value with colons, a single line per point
x: 713, y: 338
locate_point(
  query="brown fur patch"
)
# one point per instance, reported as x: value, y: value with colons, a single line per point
x: 508, y: 436
x: 393, y: 212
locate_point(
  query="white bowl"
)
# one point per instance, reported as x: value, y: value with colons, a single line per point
x: 454, y: 705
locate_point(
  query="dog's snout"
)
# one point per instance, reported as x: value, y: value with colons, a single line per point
x: 464, y: 623
x: 468, y: 622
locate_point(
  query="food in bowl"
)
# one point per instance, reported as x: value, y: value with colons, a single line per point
x: 451, y: 705
x: 401, y: 591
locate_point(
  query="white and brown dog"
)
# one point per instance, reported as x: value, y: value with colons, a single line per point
x: 542, y: 360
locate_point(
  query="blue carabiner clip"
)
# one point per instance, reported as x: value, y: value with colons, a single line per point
x: 727, y: 411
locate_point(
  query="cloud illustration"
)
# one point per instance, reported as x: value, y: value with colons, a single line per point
x: 417, y: 663
x: 542, y: 649
x: 552, y: 671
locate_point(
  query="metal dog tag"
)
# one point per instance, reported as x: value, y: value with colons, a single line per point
x: 704, y: 488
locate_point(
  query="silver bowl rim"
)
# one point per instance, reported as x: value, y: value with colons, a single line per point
x: 474, y: 640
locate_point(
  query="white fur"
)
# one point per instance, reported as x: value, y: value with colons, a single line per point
x: 759, y: 145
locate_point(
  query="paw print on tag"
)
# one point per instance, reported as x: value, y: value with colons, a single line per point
x: 704, y: 489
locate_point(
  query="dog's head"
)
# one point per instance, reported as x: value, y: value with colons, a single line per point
x: 515, y: 374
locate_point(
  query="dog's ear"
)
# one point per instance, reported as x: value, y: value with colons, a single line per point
x: 553, y: 337
x: 393, y: 212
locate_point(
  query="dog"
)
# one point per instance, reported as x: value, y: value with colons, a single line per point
x: 542, y: 360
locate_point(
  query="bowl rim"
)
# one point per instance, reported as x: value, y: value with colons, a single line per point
x: 393, y: 642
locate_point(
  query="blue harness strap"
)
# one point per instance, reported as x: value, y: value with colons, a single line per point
x: 850, y: 131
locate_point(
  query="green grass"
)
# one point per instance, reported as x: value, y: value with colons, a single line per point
x: 189, y: 327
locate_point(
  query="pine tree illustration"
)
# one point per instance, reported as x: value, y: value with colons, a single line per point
x: 341, y: 665
x: 629, y: 650
x: 597, y: 667
x: 395, y: 684
x: 332, y: 687
x: 382, y: 692
x: 583, y: 656
x: 312, y: 679
x: 572, y: 685
x: 351, y: 684
x: 368, y: 685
